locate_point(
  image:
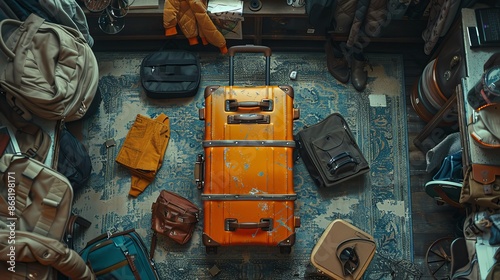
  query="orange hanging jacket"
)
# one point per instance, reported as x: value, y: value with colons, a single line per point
x: 192, y: 18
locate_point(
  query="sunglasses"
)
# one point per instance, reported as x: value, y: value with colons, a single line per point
x: 349, y: 260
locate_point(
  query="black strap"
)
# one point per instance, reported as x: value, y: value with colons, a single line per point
x: 75, y: 220
x: 169, y: 78
x: 153, y: 246
x: 162, y: 62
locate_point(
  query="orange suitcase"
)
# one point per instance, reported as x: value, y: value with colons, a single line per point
x: 248, y: 194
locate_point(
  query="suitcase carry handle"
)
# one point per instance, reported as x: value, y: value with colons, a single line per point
x: 249, y: 49
x: 233, y: 104
x: 264, y: 224
x: 199, y: 171
x: 337, y: 162
x: 248, y: 118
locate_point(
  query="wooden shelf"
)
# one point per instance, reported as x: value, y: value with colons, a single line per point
x: 275, y: 21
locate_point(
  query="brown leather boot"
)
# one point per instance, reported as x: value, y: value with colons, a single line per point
x: 336, y: 62
x: 359, y: 75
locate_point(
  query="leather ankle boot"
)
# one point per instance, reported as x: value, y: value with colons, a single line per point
x: 336, y: 62
x: 359, y: 76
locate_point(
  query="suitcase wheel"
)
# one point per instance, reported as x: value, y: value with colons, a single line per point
x: 211, y: 250
x: 285, y: 250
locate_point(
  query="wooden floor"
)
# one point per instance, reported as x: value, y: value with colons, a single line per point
x: 430, y: 221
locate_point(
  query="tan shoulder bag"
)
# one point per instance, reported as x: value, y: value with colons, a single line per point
x: 35, y: 199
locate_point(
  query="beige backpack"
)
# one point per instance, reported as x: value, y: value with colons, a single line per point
x: 34, y: 200
x: 51, y: 71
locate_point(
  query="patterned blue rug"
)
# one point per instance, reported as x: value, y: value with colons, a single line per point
x: 378, y: 203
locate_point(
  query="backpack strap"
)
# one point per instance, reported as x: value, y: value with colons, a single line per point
x: 31, y: 138
x: 22, y: 190
x: 152, y: 247
x: 120, y: 243
x: 30, y: 28
x: 31, y: 25
x: 442, y: 194
x: 50, y: 205
x: 50, y: 202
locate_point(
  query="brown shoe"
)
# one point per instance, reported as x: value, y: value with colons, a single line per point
x: 359, y: 75
x: 336, y: 62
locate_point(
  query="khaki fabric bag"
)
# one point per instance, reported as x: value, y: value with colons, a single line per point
x: 486, y: 126
x: 481, y: 186
x: 36, y: 199
x: 51, y: 70
x: 49, y: 253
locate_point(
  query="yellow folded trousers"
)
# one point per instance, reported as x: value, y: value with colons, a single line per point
x: 143, y: 150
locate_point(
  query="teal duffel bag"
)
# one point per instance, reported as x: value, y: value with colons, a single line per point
x: 121, y: 255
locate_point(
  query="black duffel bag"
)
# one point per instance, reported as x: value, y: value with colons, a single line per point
x: 330, y: 152
x: 170, y: 73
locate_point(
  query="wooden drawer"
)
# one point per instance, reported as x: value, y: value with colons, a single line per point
x: 287, y: 26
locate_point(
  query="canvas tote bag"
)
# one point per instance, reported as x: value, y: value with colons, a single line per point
x: 482, y: 186
x: 51, y: 71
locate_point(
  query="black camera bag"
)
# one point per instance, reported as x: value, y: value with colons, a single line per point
x: 330, y: 152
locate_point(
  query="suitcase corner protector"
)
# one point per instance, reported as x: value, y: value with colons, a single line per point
x: 287, y: 242
x: 288, y: 90
x: 208, y: 241
x: 209, y: 90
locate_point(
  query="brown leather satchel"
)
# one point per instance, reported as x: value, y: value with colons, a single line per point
x: 173, y: 216
x: 482, y: 186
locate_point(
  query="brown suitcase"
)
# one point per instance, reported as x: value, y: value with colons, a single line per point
x: 248, y: 193
x: 329, y: 255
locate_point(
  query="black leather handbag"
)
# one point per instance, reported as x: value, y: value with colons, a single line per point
x: 330, y: 152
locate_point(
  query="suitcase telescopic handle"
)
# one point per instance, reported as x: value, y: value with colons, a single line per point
x: 249, y: 49
x: 264, y: 224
